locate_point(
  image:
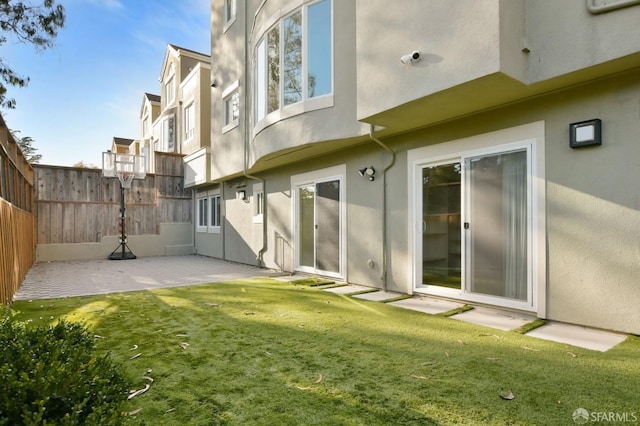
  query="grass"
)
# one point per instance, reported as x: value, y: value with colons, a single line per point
x: 263, y: 352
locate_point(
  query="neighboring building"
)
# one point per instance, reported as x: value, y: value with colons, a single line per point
x: 334, y: 152
x: 183, y: 125
x: 149, y: 112
x: 123, y: 146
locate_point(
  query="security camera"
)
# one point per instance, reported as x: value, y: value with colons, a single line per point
x: 412, y: 57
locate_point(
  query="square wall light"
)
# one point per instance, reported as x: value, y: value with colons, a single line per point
x: 585, y: 133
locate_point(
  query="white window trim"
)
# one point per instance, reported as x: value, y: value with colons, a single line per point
x: 517, y: 137
x: 226, y: 95
x: 210, y: 195
x: 199, y: 198
x: 229, y: 22
x: 189, y: 104
x: 258, y: 198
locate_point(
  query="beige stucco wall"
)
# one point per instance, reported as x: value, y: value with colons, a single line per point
x: 459, y: 42
x: 564, y: 37
x: 489, y: 65
x: 175, y: 239
x: 593, y: 207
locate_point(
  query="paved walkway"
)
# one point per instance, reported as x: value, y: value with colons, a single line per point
x: 50, y: 280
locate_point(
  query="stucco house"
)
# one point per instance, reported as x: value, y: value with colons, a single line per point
x: 183, y: 124
x: 478, y: 150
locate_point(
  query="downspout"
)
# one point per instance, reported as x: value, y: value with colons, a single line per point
x: 385, y: 250
x: 193, y: 218
x: 247, y: 138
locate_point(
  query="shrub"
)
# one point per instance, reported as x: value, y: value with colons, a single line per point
x: 51, y: 375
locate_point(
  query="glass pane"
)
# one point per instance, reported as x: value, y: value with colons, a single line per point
x: 328, y: 219
x: 292, y: 61
x: 441, y: 226
x: 261, y: 78
x: 498, y: 225
x: 273, y: 77
x: 319, y: 44
x: 306, y: 196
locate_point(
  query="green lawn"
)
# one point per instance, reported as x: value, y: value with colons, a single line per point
x: 263, y: 352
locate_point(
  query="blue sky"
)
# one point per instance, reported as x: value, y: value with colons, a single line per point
x: 88, y: 88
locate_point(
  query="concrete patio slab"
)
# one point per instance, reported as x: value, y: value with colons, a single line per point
x: 49, y: 280
x: 346, y: 289
x: 575, y: 335
x: 378, y: 296
x: 427, y: 305
x: 501, y: 320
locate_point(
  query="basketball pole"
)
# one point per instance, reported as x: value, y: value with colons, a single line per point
x: 122, y: 252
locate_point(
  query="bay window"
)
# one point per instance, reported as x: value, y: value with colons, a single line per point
x: 293, y: 60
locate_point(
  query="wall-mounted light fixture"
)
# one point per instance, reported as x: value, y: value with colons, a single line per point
x: 241, y: 195
x: 214, y: 83
x: 585, y: 133
x: 367, y: 172
x: 411, y: 57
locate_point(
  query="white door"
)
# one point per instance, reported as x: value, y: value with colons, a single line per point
x: 318, y: 224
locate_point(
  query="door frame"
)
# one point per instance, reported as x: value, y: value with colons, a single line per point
x: 529, y: 135
x: 314, y: 177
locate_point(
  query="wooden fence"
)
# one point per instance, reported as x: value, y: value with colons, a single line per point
x: 17, y: 223
x: 78, y: 205
x: 17, y: 249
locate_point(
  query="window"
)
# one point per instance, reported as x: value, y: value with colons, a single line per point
x: 202, y: 213
x: 169, y: 87
x: 229, y: 13
x: 168, y: 91
x: 215, y: 212
x: 168, y: 133
x: 232, y: 108
x: 258, y: 203
x: 189, y: 121
x: 294, y: 59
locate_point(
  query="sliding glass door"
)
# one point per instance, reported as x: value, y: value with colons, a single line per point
x: 319, y: 217
x: 496, y: 226
x: 476, y: 224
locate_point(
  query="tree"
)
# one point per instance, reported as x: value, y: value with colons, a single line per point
x: 82, y: 165
x: 27, y: 148
x: 35, y: 24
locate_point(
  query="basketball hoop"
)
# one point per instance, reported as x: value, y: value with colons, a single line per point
x: 125, y: 179
x: 126, y: 167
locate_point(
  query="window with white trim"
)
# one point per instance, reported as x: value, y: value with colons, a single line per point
x: 229, y: 13
x: 189, y: 121
x: 169, y: 133
x: 294, y: 59
x: 258, y: 203
x: 202, y: 214
x: 232, y: 109
x: 169, y: 86
x: 216, y: 219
